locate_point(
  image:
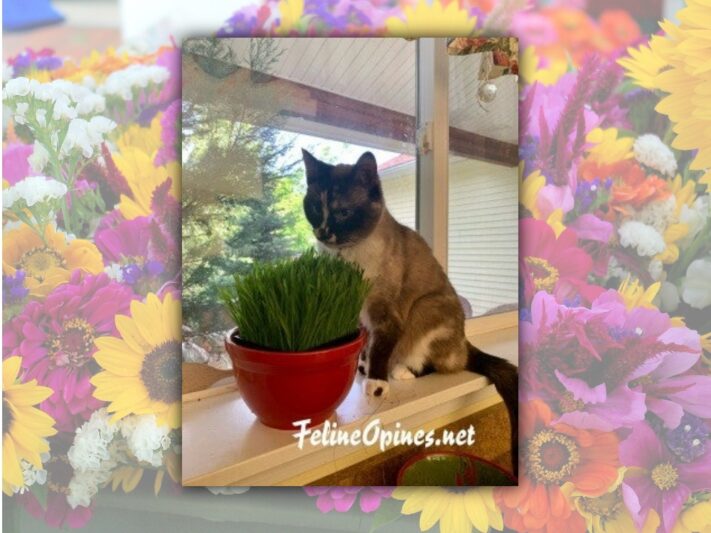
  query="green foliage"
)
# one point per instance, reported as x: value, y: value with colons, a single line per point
x: 297, y: 304
x: 242, y: 181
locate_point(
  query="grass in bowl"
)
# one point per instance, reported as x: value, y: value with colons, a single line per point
x: 298, y: 304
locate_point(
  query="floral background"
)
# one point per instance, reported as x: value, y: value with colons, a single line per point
x: 615, y: 265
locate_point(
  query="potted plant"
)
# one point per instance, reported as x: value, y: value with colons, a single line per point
x: 297, y: 339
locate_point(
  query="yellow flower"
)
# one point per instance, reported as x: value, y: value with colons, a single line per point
x: 143, y: 178
x: 642, y: 65
x: 685, y: 193
x: 673, y: 233
x: 635, y: 295
x: 685, y: 76
x: 290, y: 13
x: 531, y: 71
x: 695, y: 518
x: 141, y: 370
x: 555, y: 221
x: 456, y: 512
x: 609, y: 514
x: 432, y: 20
x: 608, y: 147
x: 49, y: 263
x: 530, y: 187
x: 147, y: 140
x: 24, y: 426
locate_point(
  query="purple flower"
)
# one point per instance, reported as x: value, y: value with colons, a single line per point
x: 341, y: 499
x: 688, y: 440
x: 55, y: 339
x: 659, y: 481
x: 170, y: 124
x: 13, y: 288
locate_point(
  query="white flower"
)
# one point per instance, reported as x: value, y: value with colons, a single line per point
x: 98, y: 127
x: 41, y: 116
x: 668, y: 297
x: 63, y: 108
x: 653, y: 153
x: 659, y: 214
x: 696, y: 288
x: 114, y: 272
x: 644, y: 238
x: 39, y: 158
x: 91, y: 103
x: 84, y: 486
x: 77, y: 137
x: 90, y: 449
x: 122, y: 82
x: 33, y: 190
x: 20, y: 111
x: 656, y: 269
x: 16, y: 87
x: 695, y: 217
x: 146, y: 440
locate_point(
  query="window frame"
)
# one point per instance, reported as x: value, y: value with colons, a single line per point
x: 432, y: 166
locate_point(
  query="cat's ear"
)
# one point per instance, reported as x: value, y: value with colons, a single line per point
x: 367, y: 168
x: 311, y: 164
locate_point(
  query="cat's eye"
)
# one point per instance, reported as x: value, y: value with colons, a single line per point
x: 342, y: 214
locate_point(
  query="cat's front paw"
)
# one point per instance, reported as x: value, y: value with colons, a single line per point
x: 376, y: 387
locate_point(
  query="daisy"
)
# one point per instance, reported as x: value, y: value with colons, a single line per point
x: 141, y: 369
x: 24, y: 427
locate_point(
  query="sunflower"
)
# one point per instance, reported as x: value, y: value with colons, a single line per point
x: 642, y: 65
x: 677, y: 64
x: 24, y: 427
x: 456, y: 510
x: 47, y: 263
x: 432, y: 20
x: 143, y: 177
x: 141, y: 370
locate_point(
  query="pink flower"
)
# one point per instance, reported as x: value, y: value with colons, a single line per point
x: 14, y: 162
x: 658, y: 480
x: 55, y: 339
x: 533, y: 29
x: 342, y: 498
x: 554, y: 264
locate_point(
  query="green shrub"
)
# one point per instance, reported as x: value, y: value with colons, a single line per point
x: 297, y: 304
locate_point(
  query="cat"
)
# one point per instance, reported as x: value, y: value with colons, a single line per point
x: 413, y: 315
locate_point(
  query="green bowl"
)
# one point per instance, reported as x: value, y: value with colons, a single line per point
x: 454, y: 469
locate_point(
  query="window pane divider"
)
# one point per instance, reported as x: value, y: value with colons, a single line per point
x: 433, y: 145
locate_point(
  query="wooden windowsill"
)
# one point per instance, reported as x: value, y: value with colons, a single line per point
x: 224, y: 444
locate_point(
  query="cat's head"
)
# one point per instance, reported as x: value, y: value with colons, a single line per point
x: 343, y: 203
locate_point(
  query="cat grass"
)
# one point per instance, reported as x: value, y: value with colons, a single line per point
x: 298, y: 304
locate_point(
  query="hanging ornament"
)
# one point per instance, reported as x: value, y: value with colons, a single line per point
x: 487, y: 92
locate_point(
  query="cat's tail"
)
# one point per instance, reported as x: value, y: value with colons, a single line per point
x: 504, y: 376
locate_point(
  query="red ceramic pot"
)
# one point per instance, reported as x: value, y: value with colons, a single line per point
x: 284, y: 387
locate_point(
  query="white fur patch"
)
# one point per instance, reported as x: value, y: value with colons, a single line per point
x: 376, y: 388
x: 418, y: 356
x: 400, y: 372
